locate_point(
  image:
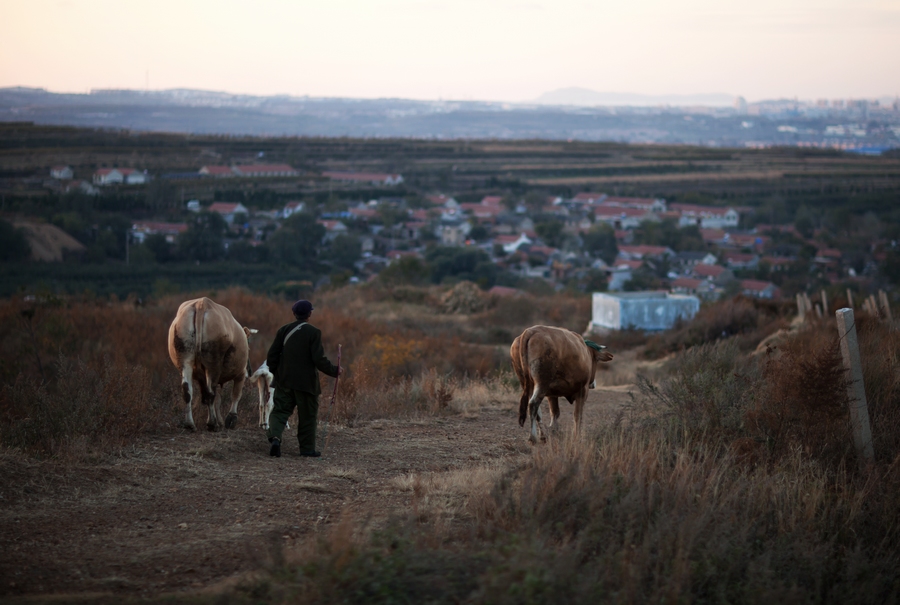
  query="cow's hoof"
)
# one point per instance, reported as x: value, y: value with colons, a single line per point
x: 212, y: 428
x: 231, y: 421
x: 188, y: 427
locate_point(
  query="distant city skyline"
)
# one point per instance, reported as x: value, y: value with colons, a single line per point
x: 492, y: 50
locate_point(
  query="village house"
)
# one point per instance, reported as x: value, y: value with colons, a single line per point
x: 619, y: 217
x: 332, y: 229
x: 62, y: 173
x: 644, y: 252
x: 588, y: 198
x: 713, y: 237
x: 79, y: 186
x: 655, y: 205
x: 760, y: 289
x: 777, y: 263
x: 617, y: 277
x: 716, y: 274
x: 738, y: 260
x: 442, y: 200
x: 699, y: 287
x: 291, y: 208
x: 412, y: 230
x: 141, y: 229
x: 229, y: 211
x: 119, y: 176
x: 511, y: 243
x: 372, y: 178
x: 483, y: 213
x: 689, y: 258
x: 264, y: 170
x: 746, y: 240
x: 707, y: 217
x: 454, y: 233
x: 219, y: 172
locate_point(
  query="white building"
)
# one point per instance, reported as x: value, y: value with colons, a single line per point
x: 706, y: 217
x: 63, y: 173
x: 641, y: 310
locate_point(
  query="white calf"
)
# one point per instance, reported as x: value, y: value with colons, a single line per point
x: 263, y: 379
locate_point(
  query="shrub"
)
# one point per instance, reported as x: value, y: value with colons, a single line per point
x: 85, y: 411
x: 747, y: 319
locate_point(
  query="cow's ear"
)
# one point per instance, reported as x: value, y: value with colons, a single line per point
x: 249, y: 331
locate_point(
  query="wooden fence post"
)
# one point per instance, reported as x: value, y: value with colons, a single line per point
x: 885, y: 305
x: 849, y: 298
x: 801, y: 309
x: 824, y: 304
x: 856, y: 391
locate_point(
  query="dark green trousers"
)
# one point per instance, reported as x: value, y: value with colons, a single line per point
x: 307, y: 404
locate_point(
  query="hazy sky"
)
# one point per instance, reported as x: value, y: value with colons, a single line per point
x: 510, y: 50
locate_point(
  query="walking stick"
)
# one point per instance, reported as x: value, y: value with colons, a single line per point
x: 333, y: 398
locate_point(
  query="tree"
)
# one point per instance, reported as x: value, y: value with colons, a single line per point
x: 243, y: 251
x: 344, y: 251
x: 469, y: 263
x: 13, y: 243
x: 298, y: 241
x: 803, y: 221
x: 204, y: 238
x: 159, y: 246
x: 600, y: 241
x: 535, y: 202
x: 408, y: 270
x: 479, y: 233
x: 551, y: 232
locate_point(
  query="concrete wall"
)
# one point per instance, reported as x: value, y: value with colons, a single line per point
x: 642, y: 310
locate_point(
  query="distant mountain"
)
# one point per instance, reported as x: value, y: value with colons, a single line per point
x: 591, y: 98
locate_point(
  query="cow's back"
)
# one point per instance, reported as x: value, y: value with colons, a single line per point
x: 557, y: 359
x: 206, y: 334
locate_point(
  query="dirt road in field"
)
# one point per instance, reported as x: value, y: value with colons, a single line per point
x: 185, y: 512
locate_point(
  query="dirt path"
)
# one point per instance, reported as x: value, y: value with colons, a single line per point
x: 186, y: 511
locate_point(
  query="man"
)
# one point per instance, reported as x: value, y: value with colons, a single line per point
x: 295, y: 358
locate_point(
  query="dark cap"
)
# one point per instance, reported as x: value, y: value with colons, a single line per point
x: 302, y: 308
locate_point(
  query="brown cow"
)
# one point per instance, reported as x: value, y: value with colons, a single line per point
x: 207, y: 343
x: 553, y: 362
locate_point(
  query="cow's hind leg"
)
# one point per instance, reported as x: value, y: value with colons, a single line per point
x: 534, y: 409
x: 554, y: 412
x: 208, y: 396
x: 187, y: 393
x: 579, y: 410
x: 237, y: 390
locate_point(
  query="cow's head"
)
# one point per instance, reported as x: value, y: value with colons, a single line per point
x: 598, y: 354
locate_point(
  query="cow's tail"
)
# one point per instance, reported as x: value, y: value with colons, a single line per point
x: 520, y: 365
x: 200, y: 310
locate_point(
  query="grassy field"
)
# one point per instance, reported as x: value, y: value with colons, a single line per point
x: 728, y: 476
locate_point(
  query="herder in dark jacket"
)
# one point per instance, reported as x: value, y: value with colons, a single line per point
x: 295, y: 358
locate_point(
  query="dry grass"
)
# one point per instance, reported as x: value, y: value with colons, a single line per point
x: 745, y: 320
x: 124, y: 378
x: 628, y: 516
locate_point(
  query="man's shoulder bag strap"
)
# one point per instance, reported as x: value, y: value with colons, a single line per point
x: 291, y: 333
